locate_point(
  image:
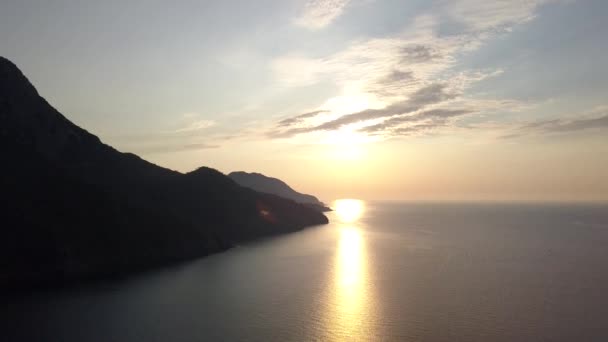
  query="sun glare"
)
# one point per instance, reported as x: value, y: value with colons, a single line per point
x: 344, y: 137
x: 350, y: 257
x: 344, y: 145
x: 348, y: 210
x: 347, y: 104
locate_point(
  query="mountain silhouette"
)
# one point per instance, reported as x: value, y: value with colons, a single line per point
x: 265, y: 184
x: 72, y: 207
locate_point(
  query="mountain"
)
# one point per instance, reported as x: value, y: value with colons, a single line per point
x: 73, y: 207
x: 265, y: 184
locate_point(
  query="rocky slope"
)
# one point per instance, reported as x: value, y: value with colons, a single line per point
x: 73, y: 207
x: 265, y: 184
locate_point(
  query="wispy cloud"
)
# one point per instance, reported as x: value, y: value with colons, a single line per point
x: 168, y: 148
x: 482, y: 15
x: 195, y: 125
x: 299, y: 118
x: 190, y: 133
x: 412, y: 74
x: 562, y: 126
x: 595, y: 120
x: 318, y: 14
x: 428, y: 95
x: 433, y: 118
x: 412, y: 54
x: 192, y: 122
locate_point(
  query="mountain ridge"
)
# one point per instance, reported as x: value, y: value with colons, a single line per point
x: 262, y: 183
x: 91, y: 210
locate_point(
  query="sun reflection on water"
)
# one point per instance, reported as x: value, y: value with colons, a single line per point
x: 351, y: 314
x: 349, y: 255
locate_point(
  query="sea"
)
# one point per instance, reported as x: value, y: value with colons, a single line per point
x: 379, y: 271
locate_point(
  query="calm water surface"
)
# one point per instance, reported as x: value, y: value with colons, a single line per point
x: 378, y: 272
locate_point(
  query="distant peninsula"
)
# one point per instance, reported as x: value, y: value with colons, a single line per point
x: 269, y: 185
x: 72, y: 207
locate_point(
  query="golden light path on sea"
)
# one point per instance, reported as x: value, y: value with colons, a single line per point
x: 351, y: 312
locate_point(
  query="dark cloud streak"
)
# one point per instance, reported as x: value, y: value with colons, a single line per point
x: 433, y: 114
x: 428, y: 95
x: 432, y: 94
x: 558, y: 126
x: 419, y: 54
x: 402, y: 131
x: 299, y: 118
x: 578, y: 125
x: 155, y: 149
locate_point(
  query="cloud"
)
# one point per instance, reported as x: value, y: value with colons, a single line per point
x: 566, y: 126
x: 594, y: 120
x: 369, y: 64
x: 398, y: 76
x: 168, y: 148
x: 408, y: 74
x: 299, y: 118
x: 576, y: 125
x: 393, y: 84
x: 414, y: 129
x: 418, y: 51
x: 318, y: 14
x: 429, y: 95
x: 164, y: 142
x: 390, y: 69
x: 482, y: 15
x: 419, y: 54
x: 187, y: 136
x: 436, y: 116
x: 194, y: 126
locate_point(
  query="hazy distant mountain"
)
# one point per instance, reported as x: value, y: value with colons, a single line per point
x: 261, y: 183
x: 71, y: 206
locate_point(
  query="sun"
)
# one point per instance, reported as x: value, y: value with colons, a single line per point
x: 345, y: 144
x: 344, y: 137
x: 348, y: 210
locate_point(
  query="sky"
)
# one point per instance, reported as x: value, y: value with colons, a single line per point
x: 371, y: 99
